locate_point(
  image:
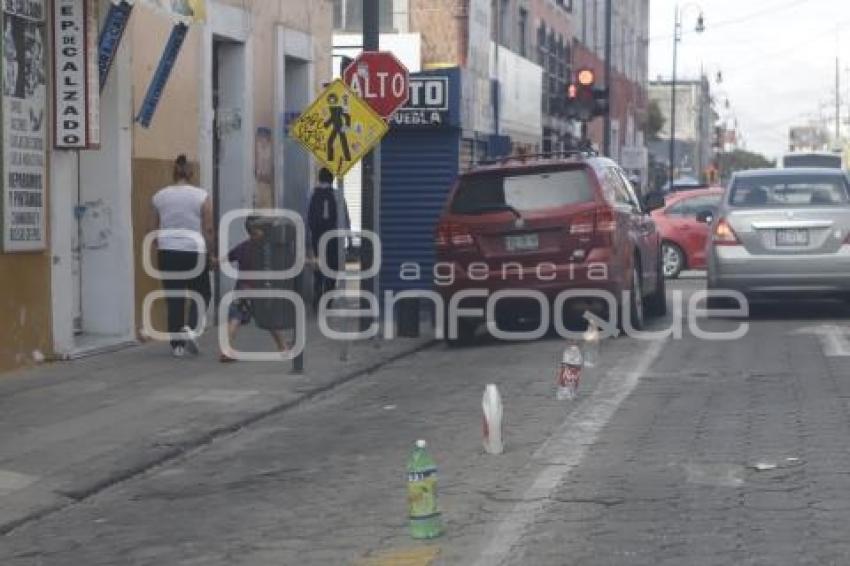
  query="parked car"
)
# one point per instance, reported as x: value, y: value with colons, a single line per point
x: 683, y: 237
x: 782, y: 231
x: 578, y: 216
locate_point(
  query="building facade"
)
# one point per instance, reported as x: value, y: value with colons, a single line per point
x: 243, y: 68
x: 629, y: 65
x: 695, y: 126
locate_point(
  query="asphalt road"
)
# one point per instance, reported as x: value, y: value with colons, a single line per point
x: 678, y: 451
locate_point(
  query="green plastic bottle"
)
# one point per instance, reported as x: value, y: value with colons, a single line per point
x: 425, y: 520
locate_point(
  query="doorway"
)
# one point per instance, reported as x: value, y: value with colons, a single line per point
x: 229, y: 156
x: 92, y: 240
x: 296, y: 85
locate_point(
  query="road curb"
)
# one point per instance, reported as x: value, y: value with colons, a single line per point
x: 184, y: 448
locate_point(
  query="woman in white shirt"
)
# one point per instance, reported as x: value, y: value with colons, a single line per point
x: 184, y: 214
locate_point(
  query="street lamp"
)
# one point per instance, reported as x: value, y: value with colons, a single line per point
x: 677, y: 38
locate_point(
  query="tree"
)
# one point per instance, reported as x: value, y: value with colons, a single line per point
x: 654, y: 121
x: 739, y: 160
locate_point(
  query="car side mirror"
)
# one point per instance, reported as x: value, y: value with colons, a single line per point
x: 653, y: 201
x: 705, y: 216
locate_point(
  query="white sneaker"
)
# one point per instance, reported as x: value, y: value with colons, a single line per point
x: 178, y: 352
x: 191, y: 341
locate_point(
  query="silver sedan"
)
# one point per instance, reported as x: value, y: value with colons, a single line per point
x: 782, y: 231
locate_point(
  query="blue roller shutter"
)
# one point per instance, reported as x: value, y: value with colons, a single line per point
x: 418, y: 168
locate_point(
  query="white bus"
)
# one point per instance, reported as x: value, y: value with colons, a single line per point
x: 813, y: 159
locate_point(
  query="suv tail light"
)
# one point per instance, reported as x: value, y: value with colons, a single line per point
x: 583, y: 223
x: 599, y: 221
x: 724, y: 235
x: 452, y: 235
x: 606, y: 221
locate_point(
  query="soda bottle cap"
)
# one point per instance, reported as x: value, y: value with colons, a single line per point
x: 572, y: 356
x: 421, y: 444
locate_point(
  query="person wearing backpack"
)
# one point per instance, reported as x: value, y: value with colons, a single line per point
x: 326, y: 211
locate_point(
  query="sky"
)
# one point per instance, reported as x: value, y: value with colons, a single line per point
x: 777, y: 59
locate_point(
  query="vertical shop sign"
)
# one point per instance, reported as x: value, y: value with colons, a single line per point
x: 163, y: 71
x: 76, y: 94
x: 24, y: 112
x: 110, y: 38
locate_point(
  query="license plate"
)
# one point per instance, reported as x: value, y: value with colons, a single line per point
x: 522, y: 243
x: 796, y: 237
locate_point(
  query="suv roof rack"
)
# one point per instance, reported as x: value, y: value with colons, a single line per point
x: 522, y: 158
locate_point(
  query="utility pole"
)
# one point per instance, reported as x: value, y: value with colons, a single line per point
x: 676, y: 36
x: 371, y: 186
x: 609, y: 25
x: 837, y: 103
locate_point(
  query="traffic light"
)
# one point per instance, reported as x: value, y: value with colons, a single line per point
x: 717, y: 142
x: 585, y: 100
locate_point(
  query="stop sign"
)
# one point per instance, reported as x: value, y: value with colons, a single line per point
x: 380, y: 79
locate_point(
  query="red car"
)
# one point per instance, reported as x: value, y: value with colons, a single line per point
x: 683, y: 237
x: 548, y: 226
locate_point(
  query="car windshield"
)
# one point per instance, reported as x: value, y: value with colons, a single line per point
x: 789, y: 190
x: 478, y: 194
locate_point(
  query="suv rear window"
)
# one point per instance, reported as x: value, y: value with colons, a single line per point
x: 791, y: 190
x: 525, y: 192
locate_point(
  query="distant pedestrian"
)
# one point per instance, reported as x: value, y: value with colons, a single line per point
x: 186, y: 213
x: 327, y: 211
x: 241, y: 311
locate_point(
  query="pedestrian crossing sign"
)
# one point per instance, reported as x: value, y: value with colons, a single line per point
x: 338, y: 128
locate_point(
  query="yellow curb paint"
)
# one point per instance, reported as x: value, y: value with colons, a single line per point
x: 419, y: 556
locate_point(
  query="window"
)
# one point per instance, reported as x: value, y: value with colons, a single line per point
x: 789, y: 190
x: 533, y: 191
x: 695, y: 205
x: 615, y: 188
x: 348, y: 15
x: 522, y: 37
x: 504, y: 21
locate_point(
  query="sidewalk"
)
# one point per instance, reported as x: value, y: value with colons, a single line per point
x: 72, y: 429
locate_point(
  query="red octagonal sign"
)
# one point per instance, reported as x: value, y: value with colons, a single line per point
x: 379, y: 79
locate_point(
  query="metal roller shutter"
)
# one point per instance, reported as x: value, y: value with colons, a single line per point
x: 418, y: 169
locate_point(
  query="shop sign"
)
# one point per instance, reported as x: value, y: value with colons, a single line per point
x: 76, y: 91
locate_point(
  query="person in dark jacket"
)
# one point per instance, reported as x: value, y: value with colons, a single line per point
x: 326, y: 211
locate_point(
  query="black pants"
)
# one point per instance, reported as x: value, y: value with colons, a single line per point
x: 321, y: 283
x: 175, y: 261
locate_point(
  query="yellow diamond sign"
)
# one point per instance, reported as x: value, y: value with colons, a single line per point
x: 338, y: 128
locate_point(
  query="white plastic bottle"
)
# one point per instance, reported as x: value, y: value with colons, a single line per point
x: 591, y: 345
x: 492, y: 405
x: 569, y: 373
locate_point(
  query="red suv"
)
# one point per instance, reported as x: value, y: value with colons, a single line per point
x: 548, y: 226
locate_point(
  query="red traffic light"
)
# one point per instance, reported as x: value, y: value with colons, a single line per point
x: 586, y: 77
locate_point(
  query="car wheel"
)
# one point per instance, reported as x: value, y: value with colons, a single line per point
x: 635, y: 304
x: 673, y: 260
x: 465, y: 332
x: 656, y: 304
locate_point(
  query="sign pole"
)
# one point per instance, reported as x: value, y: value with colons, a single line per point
x: 371, y: 185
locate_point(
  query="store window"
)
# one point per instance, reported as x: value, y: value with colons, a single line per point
x: 348, y: 15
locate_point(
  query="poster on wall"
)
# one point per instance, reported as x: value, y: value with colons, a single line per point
x: 77, y: 92
x: 24, y: 112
